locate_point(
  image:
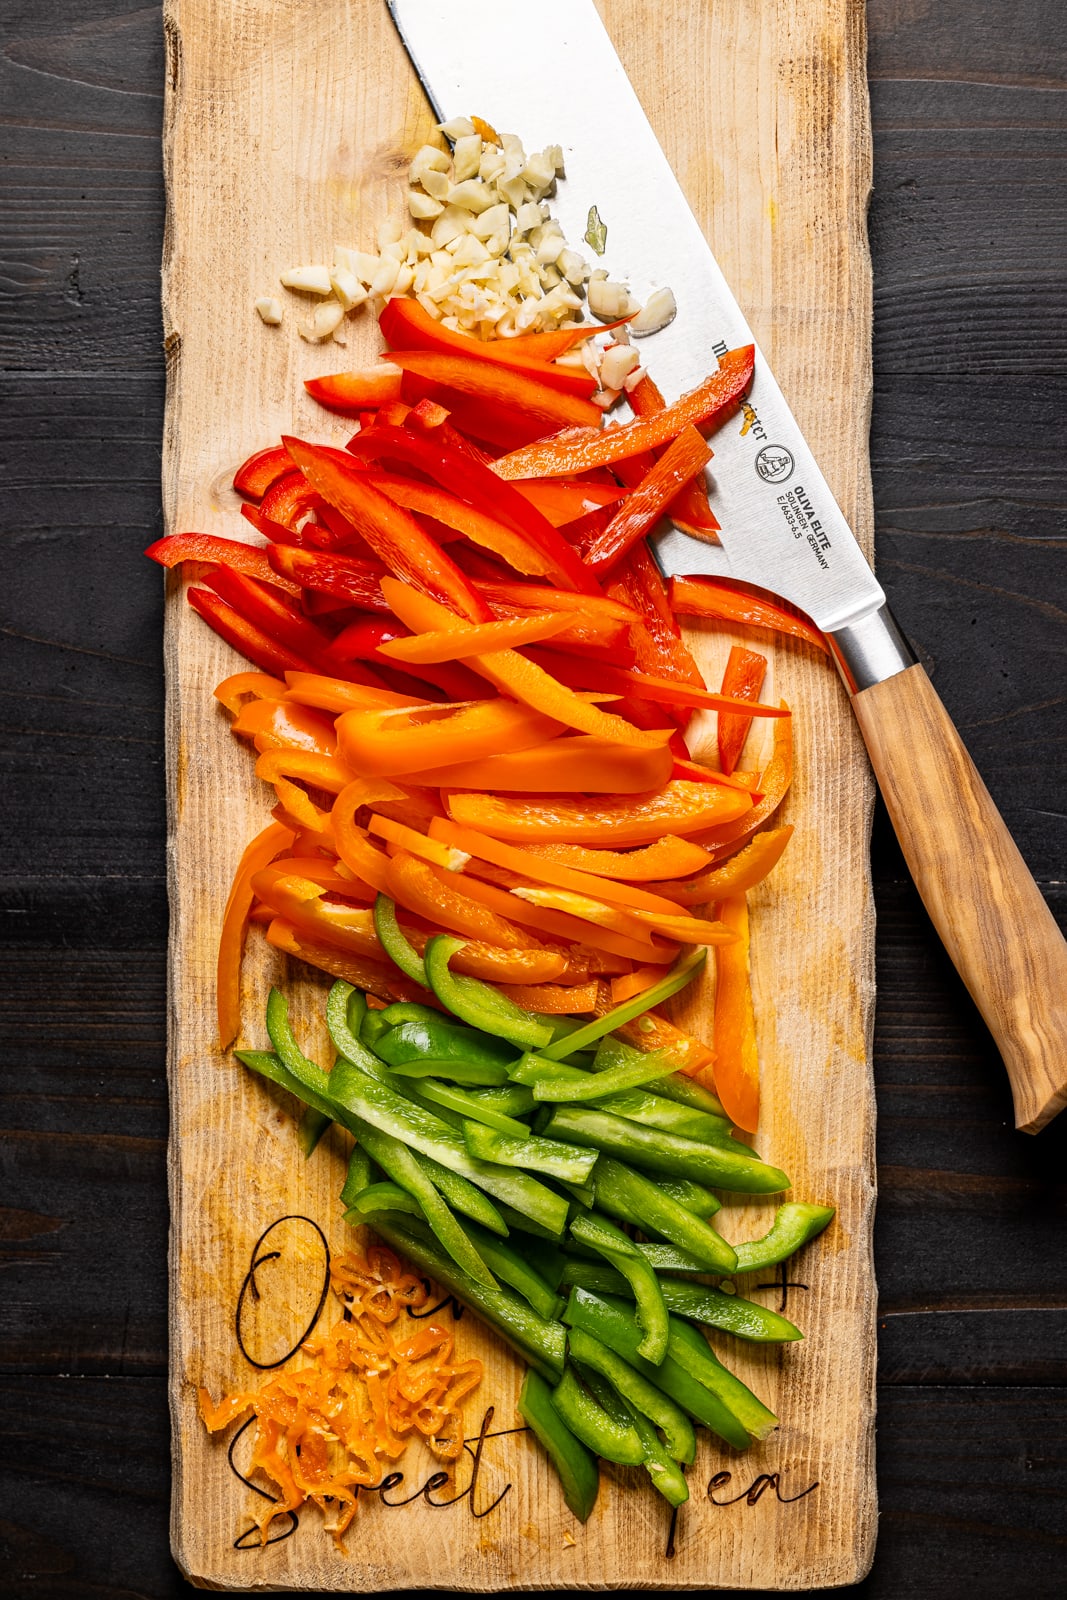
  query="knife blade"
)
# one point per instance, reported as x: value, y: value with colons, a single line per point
x: 561, y: 82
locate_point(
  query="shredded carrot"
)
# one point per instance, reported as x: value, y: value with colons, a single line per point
x: 326, y: 1429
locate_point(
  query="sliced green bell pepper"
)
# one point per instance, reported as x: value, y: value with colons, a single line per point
x: 621, y: 1253
x: 638, y: 1391
x: 794, y: 1224
x: 684, y: 970
x: 529, y: 1154
x: 587, y: 1420
x: 657, y: 1151
x: 395, y: 942
x: 453, y: 1099
x: 634, y: 1198
x: 477, y: 1003
x: 576, y: 1466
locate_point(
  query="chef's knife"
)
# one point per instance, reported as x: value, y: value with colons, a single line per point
x: 553, y: 77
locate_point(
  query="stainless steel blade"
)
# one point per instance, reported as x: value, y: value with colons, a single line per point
x: 552, y: 76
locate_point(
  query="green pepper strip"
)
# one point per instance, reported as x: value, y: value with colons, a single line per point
x: 464, y: 1196
x: 346, y: 1011
x: 691, y: 1350
x: 513, y: 1100
x: 382, y: 1197
x: 538, y: 1341
x: 442, y: 1039
x: 665, y: 1152
x: 637, y: 1391
x: 443, y: 1094
x: 555, y: 1160
x: 632, y: 1197
x: 693, y: 1196
x: 612, y: 1052
x: 793, y: 1225
x: 598, y: 1084
x: 476, y: 1074
x: 519, y: 1274
x: 402, y: 1165
x: 312, y: 1126
x: 586, y: 1418
x: 357, y: 1177
x: 621, y: 1253
x: 401, y: 1011
x: 616, y: 1326
x: 655, y: 1112
x: 667, y: 1476
x: 289, y: 1052
x: 365, y: 1097
x: 395, y: 943
x: 684, y: 970
x: 372, y: 1027
x: 479, y: 1004
x: 576, y: 1466
x: 697, y: 1302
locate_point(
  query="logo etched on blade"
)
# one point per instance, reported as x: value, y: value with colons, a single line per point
x: 774, y: 463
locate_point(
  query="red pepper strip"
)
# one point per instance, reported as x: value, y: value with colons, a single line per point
x: 374, y: 977
x: 273, y: 841
x: 516, y: 675
x: 459, y: 643
x: 389, y: 743
x: 255, y: 476
x: 267, y: 608
x: 563, y: 502
x: 407, y: 325
x: 743, y: 679
x: 775, y: 780
x: 289, y: 499
x: 476, y: 525
x: 689, y: 510
x: 337, y: 694
x: 601, y: 676
x: 578, y: 449
x: 661, y: 650
x: 393, y: 534
x: 429, y: 417
x: 364, y: 640
x: 285, y: 725
x: 260, y: 685
x: 684, y: 456
x: 470, y: 480
x: 736, y: 1058
x: 244, y: 636
x: 366, y: 388
x: 250, y: 559
x: 723, y: 601
x: 576, y: 765
x: 276, y: 531
x: 347, y: 577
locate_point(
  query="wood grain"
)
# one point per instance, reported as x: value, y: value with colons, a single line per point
x: 286, y: 129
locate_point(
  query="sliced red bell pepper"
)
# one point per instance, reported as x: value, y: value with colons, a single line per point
x: 661, y: 650
x: 547, y: 346
x: 289, y: 499
x: 506, y: 388
x: 689, y: 510
x: 407, y: 325
x: 356, y: 582
x: 742, y: 679
x: 392, y: 532
x: 478, y: 485
x: 267, y: 608
x: 639, y: 513
x: 564, y: 502
x: 366, y: 388
x: 578, y: 449
x: 724, y: 601
x: 429, y: 417
x: 244, y: 636
x: 250, y: 559
x: 255, y: 476
x: 603, y: 677
x: 277, y: 532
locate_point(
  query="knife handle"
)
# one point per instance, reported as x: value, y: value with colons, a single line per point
x: 989, y: 912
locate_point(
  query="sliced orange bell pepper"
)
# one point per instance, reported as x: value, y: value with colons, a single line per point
x: 561, y: 925
x: 630, y: 983
x: 543, y: 869
x: 479, y: 639
x: 553, y: 999
x: 666, y: 858
x: 491, y: 963
x: 601, y: 675
x: 374, y: 977
x: 260, y: 685
x: 578, y: 449
x: 402, y: 837
x: 536, y: 597
x: 742, y: 679
x: 724, y: 601
x: 304, y: 766
x: 273, y: 841
x: 353, y: 843
x: 724, y: 839
x: 337, y: 694
x: 332, y: 877
x: 641, y: 510
x: 415, y: 884
x: 579, y: 764
x: 282, y: 724
x: 395, y: 536
x: 696, y: 773
x: 301, y: 902
x: 736, y: 1055
x: 585, y: 908
x: 682, y: 808
x: 682, y: 929
x: 654, y: 1032
x: 410, y: 739
x: 737, y: 875
x: 562, y: 501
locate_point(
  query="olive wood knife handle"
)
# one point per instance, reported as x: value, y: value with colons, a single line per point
x: 981, y: 897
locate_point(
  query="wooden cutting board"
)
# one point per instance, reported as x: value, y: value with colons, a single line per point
x: 288, y: 128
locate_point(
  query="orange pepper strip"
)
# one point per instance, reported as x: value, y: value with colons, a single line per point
x: 666, y: 858
x: 668, y: 690
x: 300, y: 902
x: 408, y: 739
x: 562, y: 502
x: 580, y: 764
x: 335, y: 694
x: 552, y: 1000
x: 743, y: 680
x: 332, y: 877
x: 696, y: 773
x: 284, y: 725
x: 736, y: 1058
x: 630, y: 983
x: 260, y: 685
x: 583, y: 907
x: 537, y: 597
x: 653, y: 1032
x: 679, y: 807
x: 416, y: 885
x: 718, y: 599
x: 273, y: 841
x: 682, y: 929
x: 560, y: 925
x: 579, y: 449
x: 492, y: 963
x: 304, y: 766
x: 417, y: 844
x: 476, y: 640
x: 353, y: 845
x: 515, y: 675
x: 736, y: 876
x: 777, y: 776
x: 533, y: 865
x: 373, y: 976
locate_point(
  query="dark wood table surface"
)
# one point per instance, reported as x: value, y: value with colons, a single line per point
x: 969, y: 447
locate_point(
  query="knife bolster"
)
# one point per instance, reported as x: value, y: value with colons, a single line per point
x: 870, y: 651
